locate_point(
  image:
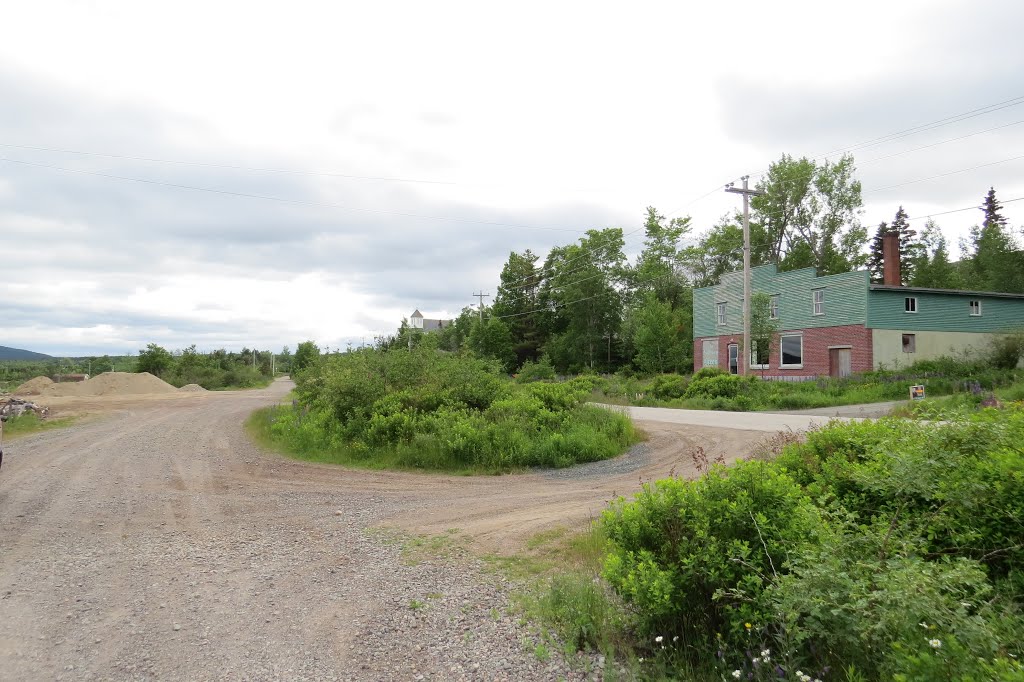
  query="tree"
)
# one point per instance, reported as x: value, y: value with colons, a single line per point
x: 658, y: 266
x: 306, y: 355
x: 492, y: 338
x: 995, y: 262
x: 720, y: 250
x: 932, y: 267
x: 661, y: 343
x: 809, y: 215
x: 911, y: 249
x: 516, y: 302
x: 154, y: 359
x: 764, y: 331
x: 583, y: 301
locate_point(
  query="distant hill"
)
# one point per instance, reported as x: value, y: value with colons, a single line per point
x: 19, y: 354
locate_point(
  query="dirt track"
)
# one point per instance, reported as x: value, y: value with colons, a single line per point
x: 158, y: 543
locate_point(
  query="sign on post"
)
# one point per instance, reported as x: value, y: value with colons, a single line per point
x: 917, y: 392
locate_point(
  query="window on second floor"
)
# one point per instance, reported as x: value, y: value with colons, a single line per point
x: 773, y: 308
x: 910, y: 304
x: 819, y: 301
x: 721, y: 313
x: 975, y: 308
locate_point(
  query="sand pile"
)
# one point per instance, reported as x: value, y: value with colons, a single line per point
x: 33, y: 386
x: 112, y: 383
x: 192, y: 388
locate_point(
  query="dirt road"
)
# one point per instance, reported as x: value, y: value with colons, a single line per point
x: 158, y: 543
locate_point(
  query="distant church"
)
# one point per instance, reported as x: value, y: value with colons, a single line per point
x: 417, y: 321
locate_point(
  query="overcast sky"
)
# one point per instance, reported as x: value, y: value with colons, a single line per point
x: 367, y: 159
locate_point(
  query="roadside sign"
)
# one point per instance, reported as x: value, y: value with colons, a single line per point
x: 917, y: 392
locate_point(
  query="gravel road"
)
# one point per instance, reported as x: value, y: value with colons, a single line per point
x: 158, y: 543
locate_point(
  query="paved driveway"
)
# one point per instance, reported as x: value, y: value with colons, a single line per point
x: 744, y: 421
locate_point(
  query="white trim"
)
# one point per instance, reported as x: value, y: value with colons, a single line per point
x: 721, y: 313
x: 910, y: 298
x: 839, y: 347
x: 970, y: 307
x: 814, y: 302
x: 773, y: 306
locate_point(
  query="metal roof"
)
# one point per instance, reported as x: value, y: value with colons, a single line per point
x: 952, y: 292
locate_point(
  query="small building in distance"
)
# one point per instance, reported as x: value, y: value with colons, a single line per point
x: 835, y: 325
x: 427, y: 324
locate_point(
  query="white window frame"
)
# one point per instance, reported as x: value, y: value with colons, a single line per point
x: 721, y: 314
x: 910, y: 302
x: 782, y: 364
x: 974, y: 303
x: 913, y: 343
x: 753, y: 356
x: 773, y: 307
x: 818, y: 301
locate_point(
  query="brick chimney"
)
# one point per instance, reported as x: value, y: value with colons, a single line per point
x: 891, y: 274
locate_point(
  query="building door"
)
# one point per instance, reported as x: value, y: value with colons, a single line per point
x: 839, y: 362
x: 734, y: 356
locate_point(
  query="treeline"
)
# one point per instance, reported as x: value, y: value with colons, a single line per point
x: 585, y: 307
x: 214, y: 370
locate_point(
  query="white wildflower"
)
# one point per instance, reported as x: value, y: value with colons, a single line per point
x: 935, y: 643
x: 659, y: 639
x: 736, y: 674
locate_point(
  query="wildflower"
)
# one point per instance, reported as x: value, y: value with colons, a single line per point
x: 924, y: 625
x: 756, y: 661
x: 736, y: 674
x: 676, y: 638
x: 747, y: 625
x: 659, y: 639
x: 935, y: 643
x: 764, y: 653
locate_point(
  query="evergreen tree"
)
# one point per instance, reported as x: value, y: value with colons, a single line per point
x: 995, y: 264
x: 932, y: 267
x: 516, y: 302
x: 875, y: 259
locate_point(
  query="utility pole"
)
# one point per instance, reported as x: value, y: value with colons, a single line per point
x: 744, y: 363
x: 482, y: 296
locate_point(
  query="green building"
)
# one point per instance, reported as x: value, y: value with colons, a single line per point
x: 838, y: 324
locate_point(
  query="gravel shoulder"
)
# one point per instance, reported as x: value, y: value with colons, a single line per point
x: 157, y: 542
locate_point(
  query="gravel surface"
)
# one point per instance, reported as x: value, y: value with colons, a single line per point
x: 157, y: 543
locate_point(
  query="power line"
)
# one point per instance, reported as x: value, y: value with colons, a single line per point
x: 201, y: 164
x: 943, y: 175
x: 297, y: 202
x: 961, y: 210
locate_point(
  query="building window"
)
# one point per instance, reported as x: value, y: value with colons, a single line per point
x: 773, y: 308
x: 910, y: 343
x: 759, y: 354
x: 910, y: 304
x: 819, y: 301
x: 721, y: 313
x: 975, y: 307
x: 791, y: 348
x: 709, y: 352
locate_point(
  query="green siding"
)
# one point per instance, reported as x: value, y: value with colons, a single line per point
x: 845, y: 299
x: 943, y: 312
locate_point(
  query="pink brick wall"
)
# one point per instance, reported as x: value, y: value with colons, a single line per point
x: 816, y: 345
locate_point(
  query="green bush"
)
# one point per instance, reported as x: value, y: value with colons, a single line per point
x: 714, y: 386
x: 541, y: 370
x: 695, y: 557
x: 668, y: 386
x: 426, y: 409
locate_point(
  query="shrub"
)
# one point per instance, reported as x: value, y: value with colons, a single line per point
x: 714, y: 386
x: 1007, y: 350
x: 668, y: 386
x: 694, y: 557
x: 542, y: 370
x: 707, y: 372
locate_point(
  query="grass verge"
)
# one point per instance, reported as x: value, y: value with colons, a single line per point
x: 29, y: 423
